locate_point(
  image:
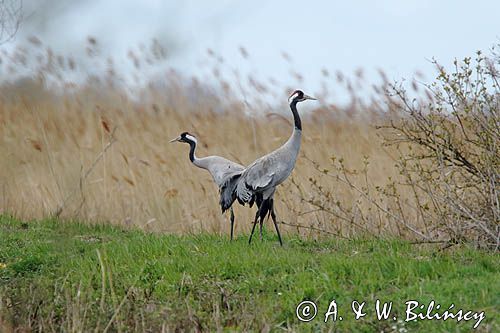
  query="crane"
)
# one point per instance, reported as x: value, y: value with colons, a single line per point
x: 258, y: 182
x: 220, y: 168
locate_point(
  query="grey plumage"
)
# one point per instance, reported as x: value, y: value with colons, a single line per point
x: 220, y: 168
x: 228, y: 191
x: 259, y: 180
x: 223, y: 172
x: 263, y: 175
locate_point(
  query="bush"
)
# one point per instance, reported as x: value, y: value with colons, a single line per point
x: 445, y: 145
x: 449, y: 150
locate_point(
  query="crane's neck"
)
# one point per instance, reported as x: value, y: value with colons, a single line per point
x: 192, y: 156
x: 199, y: 162
x: 296, y: 117
x: 293, y: 143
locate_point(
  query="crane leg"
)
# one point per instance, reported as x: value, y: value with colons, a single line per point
x: 265, y: 209
x: 261, y: 223
x: 273, y: 216
x: 254, y: 224
x: 232, y: 223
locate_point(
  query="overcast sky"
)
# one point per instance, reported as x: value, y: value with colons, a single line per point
x: 398, y: 36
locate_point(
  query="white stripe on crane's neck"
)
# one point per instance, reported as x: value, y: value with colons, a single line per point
x: 191, y: 138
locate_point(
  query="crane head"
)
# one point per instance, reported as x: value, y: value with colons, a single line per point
x: 185, y: 137
x: 299, y: 96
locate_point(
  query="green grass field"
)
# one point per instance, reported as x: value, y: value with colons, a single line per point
x: 62, y: 276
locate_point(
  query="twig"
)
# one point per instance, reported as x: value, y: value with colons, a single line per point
x: 429, y: 242
x: 447, y: 246
x: 117, y: 310
x: 313, y: 228
x: 346, y: 181
x: 11, y: 17
x: 111, y: 141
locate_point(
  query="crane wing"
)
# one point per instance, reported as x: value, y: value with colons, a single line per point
x: 227, y: 190
x: 258, y: 176
x: 220, y: 168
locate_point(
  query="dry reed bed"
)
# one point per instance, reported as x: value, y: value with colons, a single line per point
x: 60, y: 157
x: 87, y: 150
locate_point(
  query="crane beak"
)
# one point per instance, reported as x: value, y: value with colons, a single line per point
x: 309, y: 97
x: 176, y: 139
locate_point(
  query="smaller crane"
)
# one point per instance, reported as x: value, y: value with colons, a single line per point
x: 221, y: 169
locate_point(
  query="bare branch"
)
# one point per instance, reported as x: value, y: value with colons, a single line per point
x: 111, y: 141
x: 11, y: 15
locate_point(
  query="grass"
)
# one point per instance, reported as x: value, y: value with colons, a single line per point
x: 70, y: 276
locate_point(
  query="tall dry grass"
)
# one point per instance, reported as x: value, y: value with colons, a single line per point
x: 92, y: 151
x: 50, y: 142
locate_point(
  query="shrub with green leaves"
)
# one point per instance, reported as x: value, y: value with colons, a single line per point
x: 449, y: 150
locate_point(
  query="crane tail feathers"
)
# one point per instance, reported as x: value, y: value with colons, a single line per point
x: 228, y: 192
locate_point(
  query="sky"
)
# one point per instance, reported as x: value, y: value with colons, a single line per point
x: 398, y: 36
